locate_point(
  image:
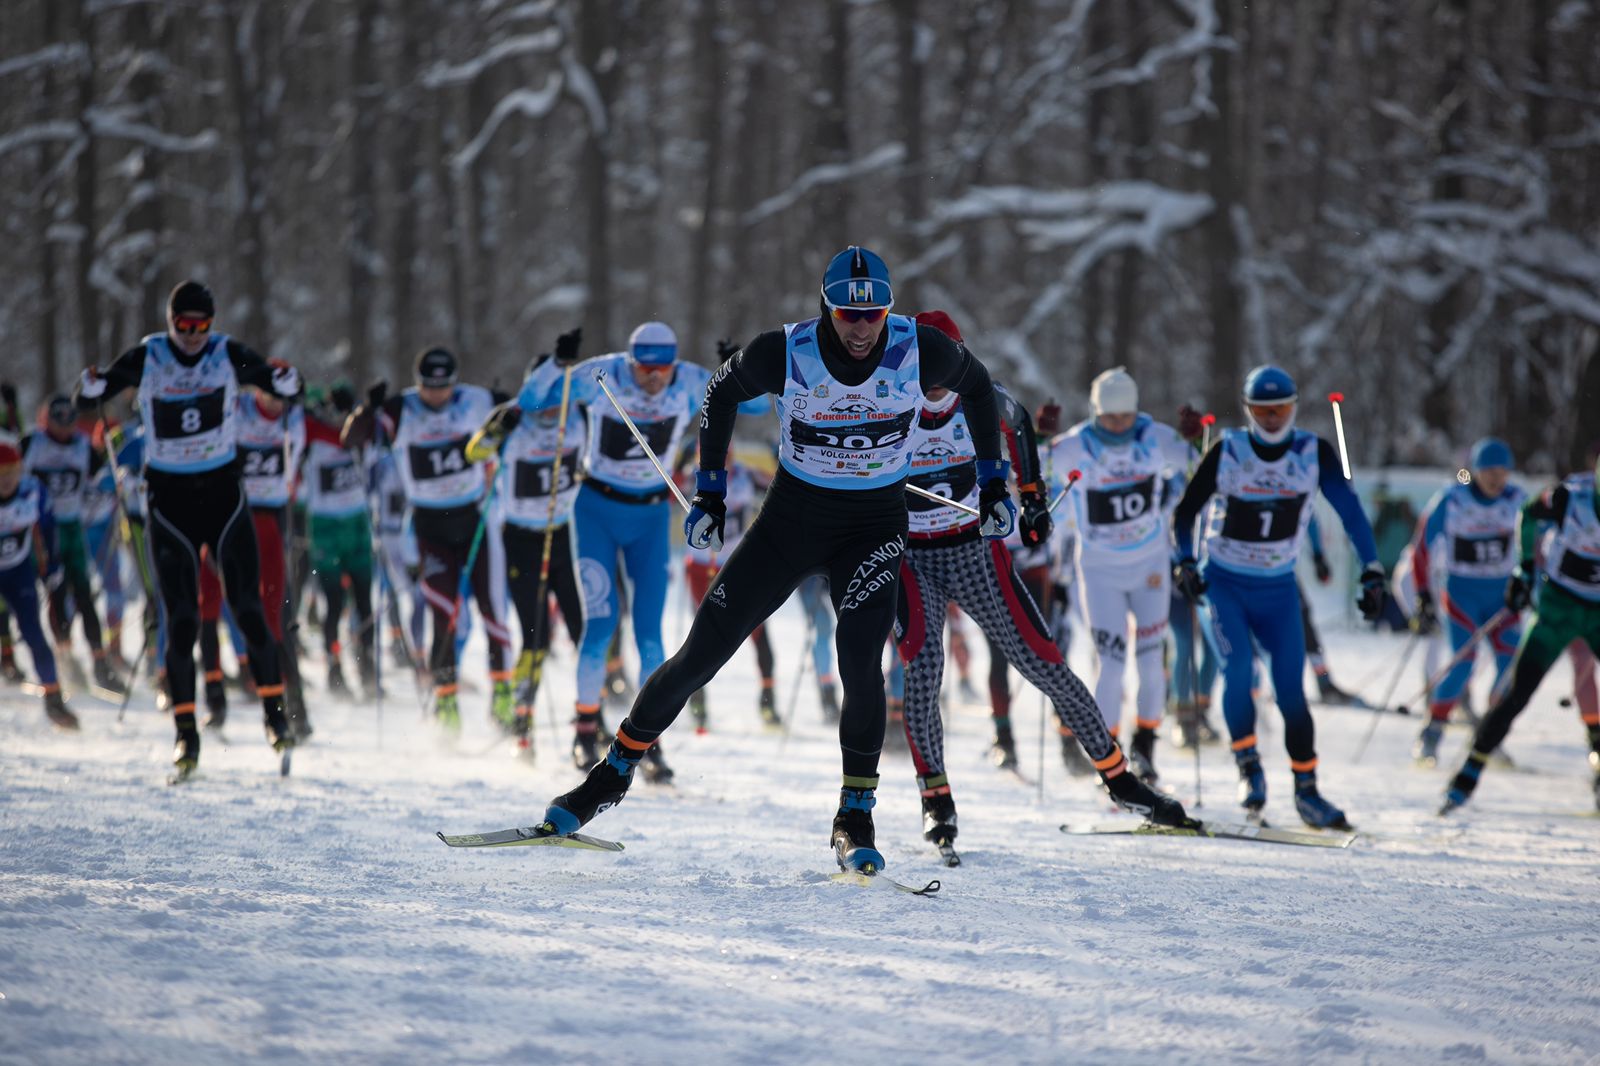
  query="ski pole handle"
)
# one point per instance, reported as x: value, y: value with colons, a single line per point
x: 1072, y: 479
x: 600, y: 379
x: 1207, y: 420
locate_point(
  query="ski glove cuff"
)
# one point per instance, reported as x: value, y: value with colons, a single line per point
x: 1187, y: 580
x: 708, y: 511
x: 997, y: 515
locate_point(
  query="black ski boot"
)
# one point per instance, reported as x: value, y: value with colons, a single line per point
x: 586, y: 740
x: 769, y: 708
x: 1136, y: 797
x: 55, y: 709
x: 1252, y: 782
x: 336, y: 682
x: 186, y: 756
x: 656, y: 770
x: 939, y: 816
x: 1076, y: 759
x: 216, y: 703
x: 1003, y: 752
x: 1314, y: 810
x: 1143, y: 755
x: 106, y: 676
x: 279, y: 733
x: 853, y: 839
x: 604, y: 787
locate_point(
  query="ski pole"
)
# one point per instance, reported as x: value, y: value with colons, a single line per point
x: 1072, y: 479
x: 799, y: 676
x: 600, y: 379
x: 1337, y: 398
x: 1207, y: 420
x: 1466, y: 651
x: 1382, y: 705
x: 1194, y: 692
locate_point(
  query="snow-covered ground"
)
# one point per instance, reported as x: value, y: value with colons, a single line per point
x: 317, y: 919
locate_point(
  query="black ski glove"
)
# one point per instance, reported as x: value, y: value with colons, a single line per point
x: 1370, y: 599
x: 1187, y: 580
x: 726, y: 350
x: 1425, y: 622
x: 1519, y: 590
x: 568, y: 345
x: 1035, y: 520
x: 377, y: 393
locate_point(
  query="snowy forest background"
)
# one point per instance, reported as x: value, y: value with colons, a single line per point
x: 1398, y: 199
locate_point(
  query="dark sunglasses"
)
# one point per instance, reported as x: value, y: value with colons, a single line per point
x: 859, y: 314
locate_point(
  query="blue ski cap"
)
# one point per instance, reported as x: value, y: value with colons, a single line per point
x: 1269, y: 385
x: 857, y: 277
x: 1490, y: 452
x: 653, y: 344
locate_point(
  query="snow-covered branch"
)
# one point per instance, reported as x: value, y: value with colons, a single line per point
x: 443, y: 74
x: 534, y: 103
x: 881, y: 158
x: 72, y: 54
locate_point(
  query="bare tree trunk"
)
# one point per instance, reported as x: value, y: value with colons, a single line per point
x: 912, y: 120
x: 361, y: 246
x: 702, y: 270
x: 1141, y: 124
x: 247, y: 73
x: 148, y: 30
x: 832, y: 206
x: 404, y: 138
x: 49, y: 298
x: 87, y: 218
x: 1216, y: 133
x: 1451, y: 17
x: 595, y: 22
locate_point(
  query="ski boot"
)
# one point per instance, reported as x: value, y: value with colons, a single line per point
x: 769, y: 708
x: 447, y: 710
x: 216, y: 703
x: 1072, y: 754
x: 55, y: 709
x: 586, y: 741
x: 336, y: 681
x: 700, y: 711
x: 656, y: 770
x: 828, y: 692
x: 1003, y: 751
x: 853, y: 838
x: 1313, y: 809
x: 1142, y: 755
x: 1331, y: 693
x: 8, y: 664
x: 106, y: 677
x: 604, y: 787
x: 186, y: 756
x: 1252, y: 782
x: 1463, y: 784
x: 1136, y: 797
x: 503, y: 706
x: 280, y: 734
x: 1426, y: 750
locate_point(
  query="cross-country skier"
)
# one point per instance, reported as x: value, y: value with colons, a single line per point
x: 623, y: 508
x: 1262, y: 479
x: 850, y: 384
x: 61, y: 457
x: 1471, y: 529
x: 1125, y: 457
x: 538, y: 486
x: 1567, y: 609
x: 187, y: 380
x: 334, y: 486
x: 27, y: 549
x: 428, y: 427
x: 949, y: 562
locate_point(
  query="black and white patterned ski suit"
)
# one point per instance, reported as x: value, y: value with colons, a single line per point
x: 979, y: 577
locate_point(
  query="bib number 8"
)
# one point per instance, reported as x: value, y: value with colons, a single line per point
x: 189, y: 422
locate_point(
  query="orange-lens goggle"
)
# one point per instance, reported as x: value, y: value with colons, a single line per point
x: 191, y: 324
x: 1262, y: 410
x: 859, y: 314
